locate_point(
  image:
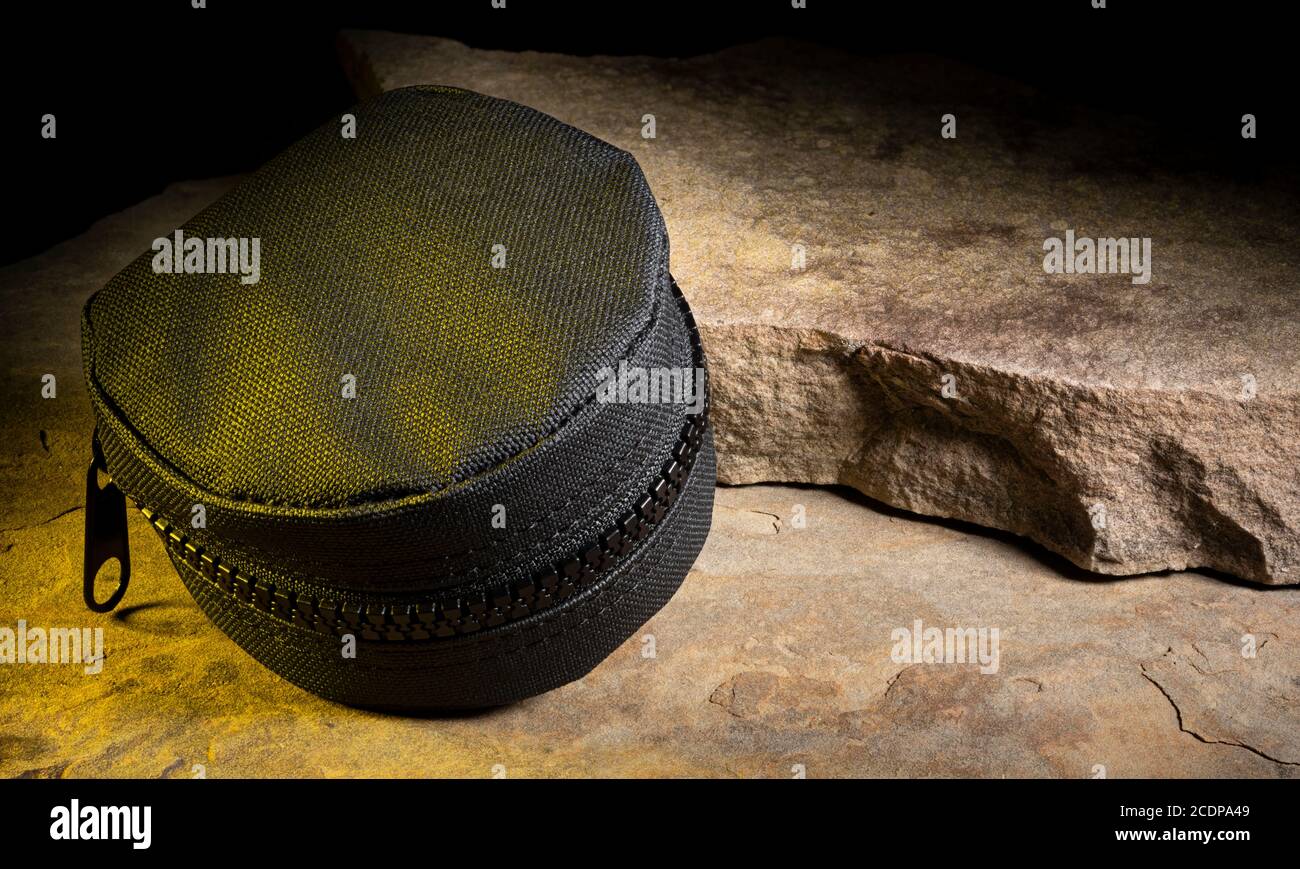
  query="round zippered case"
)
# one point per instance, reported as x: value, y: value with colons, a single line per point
x: 416, y: 409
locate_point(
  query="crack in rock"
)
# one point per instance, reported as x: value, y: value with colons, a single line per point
x: 1185, y: 729
x: 53, y: 518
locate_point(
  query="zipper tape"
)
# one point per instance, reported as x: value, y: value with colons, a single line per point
x: 434, y: 618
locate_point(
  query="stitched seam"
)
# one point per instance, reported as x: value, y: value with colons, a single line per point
x: 621, y: 464
x: 591, y: 596
x: 257, y: 616
x: 605, y: 589
x: 149, y: 455
x: 315, y: 584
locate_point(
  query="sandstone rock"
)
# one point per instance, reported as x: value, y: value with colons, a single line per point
x: 1129, y: 427
x: 774, y: 659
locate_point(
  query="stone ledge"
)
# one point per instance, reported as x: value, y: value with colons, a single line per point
x: 1128, y: 427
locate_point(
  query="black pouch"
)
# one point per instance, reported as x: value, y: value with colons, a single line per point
x: 417, y: 409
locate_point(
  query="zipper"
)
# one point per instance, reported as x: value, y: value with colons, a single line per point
x: 442, y: 617
x: 430, y: 618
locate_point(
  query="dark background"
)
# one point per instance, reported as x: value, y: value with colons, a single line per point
x: 152, y: 92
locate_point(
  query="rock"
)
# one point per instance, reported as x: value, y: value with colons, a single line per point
x: 923, y: 356
x: 775, y: 659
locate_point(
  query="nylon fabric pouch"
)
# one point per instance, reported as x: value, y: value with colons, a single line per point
x: 418, y: 412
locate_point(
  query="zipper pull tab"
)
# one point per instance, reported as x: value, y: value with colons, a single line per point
x: 105, y: 533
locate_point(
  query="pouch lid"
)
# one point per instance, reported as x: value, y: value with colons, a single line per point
x: 381, y: 351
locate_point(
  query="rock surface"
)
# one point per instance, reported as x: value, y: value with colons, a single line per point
x: 775, y: 656
x: 1129, y: 427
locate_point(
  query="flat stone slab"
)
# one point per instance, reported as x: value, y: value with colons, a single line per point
x: 922, y: 355
x: 776, y: 658
x: 777, y: 653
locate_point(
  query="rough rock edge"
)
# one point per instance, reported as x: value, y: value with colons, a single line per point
x: 1011, y: 452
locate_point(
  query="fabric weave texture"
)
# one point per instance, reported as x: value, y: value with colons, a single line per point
x: 475, y: 390
x: 377, y: 263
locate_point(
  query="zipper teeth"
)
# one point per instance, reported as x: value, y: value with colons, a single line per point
x: 452, y: 615
x: 443, y: 617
